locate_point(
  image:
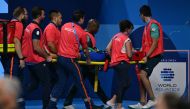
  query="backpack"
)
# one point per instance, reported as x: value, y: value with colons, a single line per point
x: 7, y: 31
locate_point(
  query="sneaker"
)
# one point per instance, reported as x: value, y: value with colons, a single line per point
x: 69, y: 107
x: 136, y: 106
x: 110, y: 104
x: 149, y: 105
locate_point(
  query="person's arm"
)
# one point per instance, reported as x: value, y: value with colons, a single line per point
x: 52, y: 47
x: 51, y: 37
x: 153, y: 47
x: 140, y: 49
x: 133, y: 49
x: 129, y: 48
x: 155, y: 36
x: 83, y: 41
x: 18, y: 48
x: 17, y: 37
x: 109, y: 46
x: 38, y: 49
x: 36, y: 45
x: 53, y: 55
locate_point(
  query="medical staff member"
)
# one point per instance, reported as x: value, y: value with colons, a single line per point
x: 88, y: 70
x: 120, y: 50
x: 14, y: 63
x: 52, y: 35
x: 72, y: 35
x: 152, y: 45
x: 18, y: 59
x: 36, y: 57
x: 52, y: 32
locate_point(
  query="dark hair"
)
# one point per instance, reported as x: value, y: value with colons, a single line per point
x: 18, y: 11
x: 145, y: 10
x: 125, y: 24
x: 77, y: 15
x: 53, y: 13
x: 94, y: 22
x: 36, y: 12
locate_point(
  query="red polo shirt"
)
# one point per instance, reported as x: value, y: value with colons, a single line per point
x: 52, y: 34
x: 72, y: 35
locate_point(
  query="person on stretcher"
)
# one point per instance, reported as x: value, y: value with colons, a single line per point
x: 88, y: 70
x: 120, y: 50
x: 95, y: 53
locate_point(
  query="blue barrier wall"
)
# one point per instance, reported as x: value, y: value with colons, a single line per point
x: 172, y: 14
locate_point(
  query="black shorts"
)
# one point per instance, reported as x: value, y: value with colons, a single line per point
x: 150, y: 64
x: 121, y: 76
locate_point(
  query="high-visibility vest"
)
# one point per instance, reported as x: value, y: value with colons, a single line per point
x: 147, y: 40
x: 27, y: 46
x: 118, y: 53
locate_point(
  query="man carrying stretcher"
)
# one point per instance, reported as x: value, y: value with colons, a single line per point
x: 88, y: 70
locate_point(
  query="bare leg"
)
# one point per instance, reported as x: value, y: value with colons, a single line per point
x: 146, y: 83
x: 119, y: 106
x: 142, y: 94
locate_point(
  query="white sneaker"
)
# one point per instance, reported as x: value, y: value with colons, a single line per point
x: 110, y: 104
x: 149, y: 105
x: 136, y: 106
x: 69, y: 107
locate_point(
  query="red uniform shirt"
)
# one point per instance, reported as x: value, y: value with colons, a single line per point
x: 52, y: 34
x: 18, y: 29
x: 72, y: 35
x: 118, y: 48
x: 27, y: 44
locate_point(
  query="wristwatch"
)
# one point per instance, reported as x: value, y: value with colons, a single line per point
x: 22, y: 58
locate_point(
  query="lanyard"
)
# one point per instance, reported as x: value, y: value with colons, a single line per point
x: 75, y: 33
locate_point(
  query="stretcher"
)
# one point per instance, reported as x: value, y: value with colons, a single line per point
x: 136, y: 57
x: 11, y: 49
x: 97, y: 64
